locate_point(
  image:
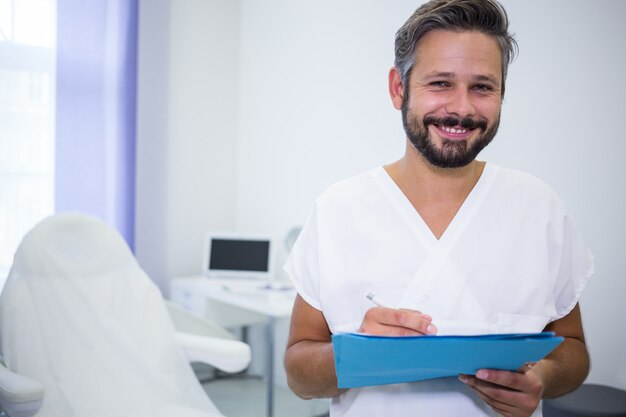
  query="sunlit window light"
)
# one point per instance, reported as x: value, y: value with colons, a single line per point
x: 27, y: 108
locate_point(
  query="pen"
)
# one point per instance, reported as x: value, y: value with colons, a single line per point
x: 375, y: 300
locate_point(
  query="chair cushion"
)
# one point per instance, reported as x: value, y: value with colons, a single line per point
x: 79, y: 315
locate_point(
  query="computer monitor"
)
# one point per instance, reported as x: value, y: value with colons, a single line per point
x: 238, y: 255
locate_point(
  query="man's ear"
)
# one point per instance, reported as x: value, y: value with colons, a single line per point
x: 396, y: 88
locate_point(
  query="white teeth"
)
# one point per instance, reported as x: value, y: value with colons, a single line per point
x: 452, y: 130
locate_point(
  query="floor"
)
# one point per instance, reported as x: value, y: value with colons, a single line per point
x: 227, y: 394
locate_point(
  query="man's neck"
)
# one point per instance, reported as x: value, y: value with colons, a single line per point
x: 414, y: 174
x: 436, y: 193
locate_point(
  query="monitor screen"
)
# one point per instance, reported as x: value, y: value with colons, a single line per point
x: 244, y: 256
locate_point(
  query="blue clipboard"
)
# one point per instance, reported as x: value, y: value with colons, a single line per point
x: 366, y: 360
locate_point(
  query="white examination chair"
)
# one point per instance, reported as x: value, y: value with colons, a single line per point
x: 85, y: 333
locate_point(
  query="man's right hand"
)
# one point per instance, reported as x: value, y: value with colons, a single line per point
x: 383, y: 321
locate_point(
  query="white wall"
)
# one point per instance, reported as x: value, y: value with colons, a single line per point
x: 187, y: 131
x: 312, y: 108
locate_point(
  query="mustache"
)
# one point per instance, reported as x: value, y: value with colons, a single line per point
x: 450, y: 121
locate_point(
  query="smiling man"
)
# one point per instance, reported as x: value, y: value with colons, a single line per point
x: 454, y: 245
x: 462, y: 103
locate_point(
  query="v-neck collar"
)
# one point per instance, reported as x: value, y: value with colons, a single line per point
x: 460, y: 220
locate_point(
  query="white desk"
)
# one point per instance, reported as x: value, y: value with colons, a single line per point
x: 237, y: 302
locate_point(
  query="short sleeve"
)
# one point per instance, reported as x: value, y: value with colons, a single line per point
x: 302, y: 266
x: 572, y: 264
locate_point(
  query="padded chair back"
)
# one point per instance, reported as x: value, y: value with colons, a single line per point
x: 588, y: 400
x: 78, y: 314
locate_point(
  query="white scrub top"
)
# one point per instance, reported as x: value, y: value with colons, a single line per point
x: 511, y: 260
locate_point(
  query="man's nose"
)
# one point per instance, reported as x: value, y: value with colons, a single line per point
x: 460, y: 103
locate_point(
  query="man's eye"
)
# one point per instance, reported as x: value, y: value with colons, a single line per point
x: 483, y: 87
x: 440, y: 84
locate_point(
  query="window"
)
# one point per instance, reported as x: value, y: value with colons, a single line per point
x: 27, y: 80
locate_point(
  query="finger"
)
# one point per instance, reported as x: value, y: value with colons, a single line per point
x: 514, y: 380
x: 527, y: 383
x: 386, y: 330
x: 426, y: 316
x: 409, y: 319
x: 503, y: 397
x: 395, y: 322
x: 497, y: 393
x: 500, y: 407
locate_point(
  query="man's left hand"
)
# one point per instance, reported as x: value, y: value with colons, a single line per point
x: 512, y: 394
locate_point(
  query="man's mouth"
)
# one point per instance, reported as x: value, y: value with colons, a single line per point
x: 453, y: 130
x: 453, y: 133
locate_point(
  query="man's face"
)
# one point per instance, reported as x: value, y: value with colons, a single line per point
x: 451, y: 106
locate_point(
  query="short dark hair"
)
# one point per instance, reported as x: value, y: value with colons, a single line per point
x: 485, y: 16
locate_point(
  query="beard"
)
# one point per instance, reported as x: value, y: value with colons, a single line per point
x: 452, y: 154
